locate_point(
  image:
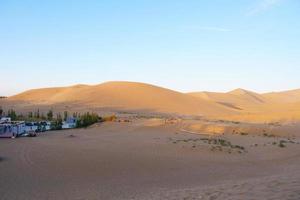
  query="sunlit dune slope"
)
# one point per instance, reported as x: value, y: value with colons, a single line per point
x: 125, y: 95
x: 238, y: 99
x: 257, y: 107
x: 239, y: 104
x: 291, y: 96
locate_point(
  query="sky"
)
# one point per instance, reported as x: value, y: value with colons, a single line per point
x: 192, y: 45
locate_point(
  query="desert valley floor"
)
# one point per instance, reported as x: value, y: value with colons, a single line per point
x: 151, y: 159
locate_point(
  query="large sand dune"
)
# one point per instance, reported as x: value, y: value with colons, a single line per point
x: 239, y: 104
x: 122, y: 96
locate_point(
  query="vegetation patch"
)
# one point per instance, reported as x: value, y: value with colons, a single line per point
x: 274, y: 124
x: 240, y: 133
x: 268, y: 135
x: 82, y: 120
x: 87, y: 119
x: 244, y: 133
x: 217, y: 144
x: 282, y: 144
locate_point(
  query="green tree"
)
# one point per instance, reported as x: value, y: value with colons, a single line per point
x: 30, y: 115
x: 65, y: 115
x: 12, y: 114
x: 1, y: 111
x: 50, y: 115
x: 57, y: 123
x: 37, y: 114
x: 75, y: 114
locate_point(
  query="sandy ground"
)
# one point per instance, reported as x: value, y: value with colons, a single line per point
x: 148, y: 159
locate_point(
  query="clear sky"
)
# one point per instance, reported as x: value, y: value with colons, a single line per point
x: 192, y: 45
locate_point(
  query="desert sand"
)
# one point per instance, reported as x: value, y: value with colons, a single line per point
x: 153, y: 158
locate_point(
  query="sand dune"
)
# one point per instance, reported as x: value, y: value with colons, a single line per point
x: 237, y: 99
x: 123, y: 95
x: 245, y: 97
x: 291, y: 96
x: 257, y: 107
x: 239, y: 104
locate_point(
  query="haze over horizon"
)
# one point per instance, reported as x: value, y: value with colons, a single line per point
x: 195, y: 46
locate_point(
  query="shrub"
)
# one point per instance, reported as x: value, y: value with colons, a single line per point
x: 282, y: 144
x: 87, y: 119
x: 243, y: 133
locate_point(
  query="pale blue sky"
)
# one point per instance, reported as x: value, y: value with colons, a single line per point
x: 191, y: 45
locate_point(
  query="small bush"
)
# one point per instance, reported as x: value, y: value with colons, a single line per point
x: 281, y: 145
x: 87, y: 119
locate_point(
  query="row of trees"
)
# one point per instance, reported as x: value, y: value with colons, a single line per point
x: 34, y: 116
x: 65, y: 115
x: 10, y: 113
x: 31, y: 115
x: 83, y: 120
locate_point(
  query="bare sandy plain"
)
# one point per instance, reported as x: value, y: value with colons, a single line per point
x: 153, y: 158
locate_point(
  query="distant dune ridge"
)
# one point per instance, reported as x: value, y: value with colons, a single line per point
x: 238, y: 104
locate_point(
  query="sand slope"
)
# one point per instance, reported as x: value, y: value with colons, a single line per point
x: 124, y: 95
x: 237, y: 99
x: 291, y: 96
x: 257, y: 107
x: 238, y: 105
